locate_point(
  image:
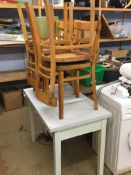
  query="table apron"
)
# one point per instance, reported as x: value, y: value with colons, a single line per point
x: 77, y: 131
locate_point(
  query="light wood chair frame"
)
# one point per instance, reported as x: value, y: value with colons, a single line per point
x: 53, y: 68
x: 31, y: 61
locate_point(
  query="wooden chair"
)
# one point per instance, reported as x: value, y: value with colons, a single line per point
x: 58, y: 58
x: 30, y: 57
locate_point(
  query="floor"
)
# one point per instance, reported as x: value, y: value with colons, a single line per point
x: 19, y: 156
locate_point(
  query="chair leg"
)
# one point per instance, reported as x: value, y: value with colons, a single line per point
x: 43, y: 95
x: 42, y: 84
x: 37, y: 82
x: 46, y: 81
x: 46, y: 85
x: 75, y: 83
x: 94, y: 87
x: 61, y: 94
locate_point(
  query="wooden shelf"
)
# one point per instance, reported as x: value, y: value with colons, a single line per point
x: 9, y: 5
x: 58, y: 7
x: 102, y: 40
x: 83, y: 8
x: 116, y: 9
x: 114, y: 40
x: 104, y: 9
x: 12, y: 44
x: 12, y: 76
x: 13, y: 5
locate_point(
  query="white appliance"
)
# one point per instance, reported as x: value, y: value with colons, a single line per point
x: 118, y: 138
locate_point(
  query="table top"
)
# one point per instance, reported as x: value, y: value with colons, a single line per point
x: 77, y: 111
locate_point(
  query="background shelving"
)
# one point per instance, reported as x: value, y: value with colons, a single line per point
x: 114, y: 40
x: 59, y: 7
x: 12, y: 76
x: 12, y: 44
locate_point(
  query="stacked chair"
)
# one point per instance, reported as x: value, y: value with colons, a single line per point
x: 30, y: 57
x: 69, y: 52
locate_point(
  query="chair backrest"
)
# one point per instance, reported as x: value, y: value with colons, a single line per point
x: 30, y: 55
x: 39, y: 45
x: 69, y: 25
x: 22, y: 20
x: 51, y: 27
x: 60, y: 28
x: 33, y: 26
x: 89, y: 30
x: 83, y: 28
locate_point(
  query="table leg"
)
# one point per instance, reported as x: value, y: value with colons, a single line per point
x: 32, y: 124
x: 57, y: 154
x: 101, y: 148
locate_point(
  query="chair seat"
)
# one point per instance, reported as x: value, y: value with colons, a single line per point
x: 73, y: 65
x: 68, y: 57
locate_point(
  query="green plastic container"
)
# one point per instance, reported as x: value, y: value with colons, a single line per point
x: 99, y: 75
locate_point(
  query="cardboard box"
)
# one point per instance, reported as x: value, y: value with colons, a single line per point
x: 116, y: 53
x: 11, y: 98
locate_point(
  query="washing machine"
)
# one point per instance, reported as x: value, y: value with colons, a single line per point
x: 118, y: 138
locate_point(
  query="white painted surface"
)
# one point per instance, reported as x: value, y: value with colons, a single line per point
x: 2, y: 43
x: 101, y: 148
x: 124, y: 151
x: 117, y: 154
x: 59, y: 136
x: 125, y: 70
x: 80, y: 118
x: 57, y: 154
x: 123, y: 104
x: 77, y: 111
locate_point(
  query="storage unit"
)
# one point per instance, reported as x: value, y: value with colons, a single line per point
x: 13, y: 7
x: 118, y: 138
x: 12, y: 52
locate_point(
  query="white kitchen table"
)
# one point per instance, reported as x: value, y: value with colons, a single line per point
x: 79, y: 118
